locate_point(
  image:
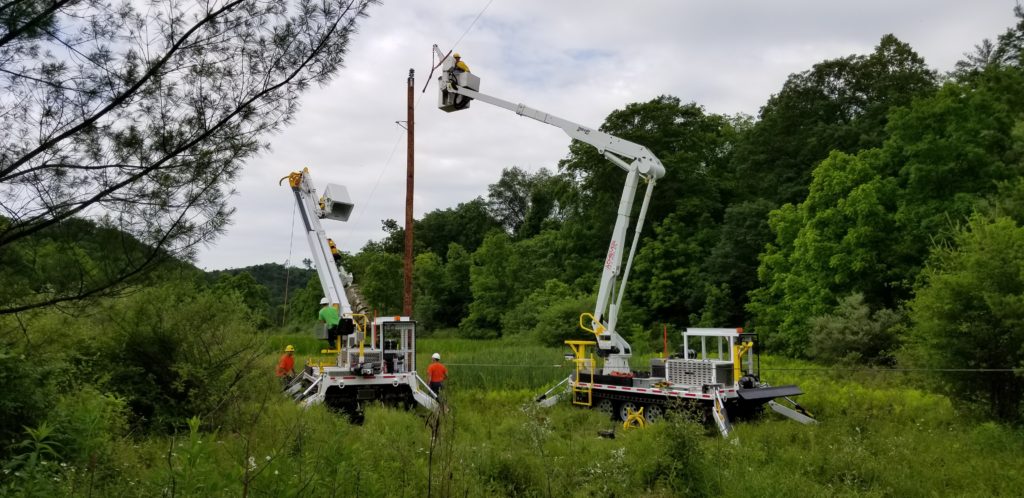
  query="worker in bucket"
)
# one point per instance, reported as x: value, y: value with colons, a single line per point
x: 436, y: 373
x: 329, y: 315
x: 286, y: 365
x: 459, y: 67
x: 461, y: 101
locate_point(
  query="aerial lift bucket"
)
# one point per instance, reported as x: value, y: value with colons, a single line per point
x: 336, y: 203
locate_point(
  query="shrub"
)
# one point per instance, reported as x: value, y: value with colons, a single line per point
x: 31, y: 469
x: 87, y: 424
x: 27, y: 392
x: 527, y: 314
x: 853, y: 334
x: 682, y: 465
x: 173, y: 352
x: 559, y: 322
x: 968, y: 314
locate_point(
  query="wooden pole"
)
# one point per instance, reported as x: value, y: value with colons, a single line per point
x: 409, y: 176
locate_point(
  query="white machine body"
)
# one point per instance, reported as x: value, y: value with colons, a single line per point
x: 377, y: 360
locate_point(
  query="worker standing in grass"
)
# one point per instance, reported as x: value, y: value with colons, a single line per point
x: 286, y: 365
x: 436, y: 374
x: 329, y: 315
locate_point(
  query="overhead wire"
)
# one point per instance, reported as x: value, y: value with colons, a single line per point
x: 765, y: 369
x: 416, y: 106
x: 888, y: 370
x: 373, y: 190
x: 475, y: 19
x: 287, y: 265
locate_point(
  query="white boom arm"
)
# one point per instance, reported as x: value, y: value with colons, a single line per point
x: 335, y: 205
x: 636, y: 160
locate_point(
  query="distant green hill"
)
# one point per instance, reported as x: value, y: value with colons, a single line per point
x: 76, y: 260
x: 80, y: 259
x: 272, y: 276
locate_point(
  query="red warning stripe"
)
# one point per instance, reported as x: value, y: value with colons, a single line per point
x: 663, y: 392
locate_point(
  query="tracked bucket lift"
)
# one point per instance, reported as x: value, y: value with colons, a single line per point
x: 371, y: 360
x: 718, y: 385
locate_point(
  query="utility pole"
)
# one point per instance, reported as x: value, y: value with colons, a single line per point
x: 409, y: 176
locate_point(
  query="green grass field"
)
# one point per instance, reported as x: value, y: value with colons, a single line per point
x: 877, y: 437
x: 471, y: 364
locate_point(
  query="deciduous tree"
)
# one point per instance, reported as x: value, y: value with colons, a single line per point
x: 837, y: 105
x: 466, y: 225
x: 870, y: 220
x: 969, y: 312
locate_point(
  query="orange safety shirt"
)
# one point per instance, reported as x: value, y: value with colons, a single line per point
x: 286, y: 365
x: 437, y: 372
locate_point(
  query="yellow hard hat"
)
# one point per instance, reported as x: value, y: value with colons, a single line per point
x: 456, y: 55
x: 289, y: 349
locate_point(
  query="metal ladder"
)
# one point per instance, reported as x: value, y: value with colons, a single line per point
x: 582, y: 392
x: 719, y: 414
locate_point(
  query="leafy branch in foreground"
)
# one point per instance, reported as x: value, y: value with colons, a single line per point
x: 138, y: 119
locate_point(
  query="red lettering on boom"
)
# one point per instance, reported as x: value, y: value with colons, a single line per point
x: 611, y: 256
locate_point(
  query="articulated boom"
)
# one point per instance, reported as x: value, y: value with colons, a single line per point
x: 334, y: 205
x: 376, y: 361
x: 722, y: 378
x: 456, y: 89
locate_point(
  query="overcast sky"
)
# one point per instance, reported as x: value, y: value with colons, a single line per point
x: 577, y: 59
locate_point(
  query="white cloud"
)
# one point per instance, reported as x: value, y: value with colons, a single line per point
x: 576, y: 59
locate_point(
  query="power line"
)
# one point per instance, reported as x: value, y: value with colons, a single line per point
x: 373, y: 190
x: 287, y: 265
x: 887, y: 370
x: 803, y: 369
x: 415, y: 107
x: 477, y: 18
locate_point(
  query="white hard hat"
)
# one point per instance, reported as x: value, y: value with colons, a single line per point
x: 325, y: 301
x: 436, y: 356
